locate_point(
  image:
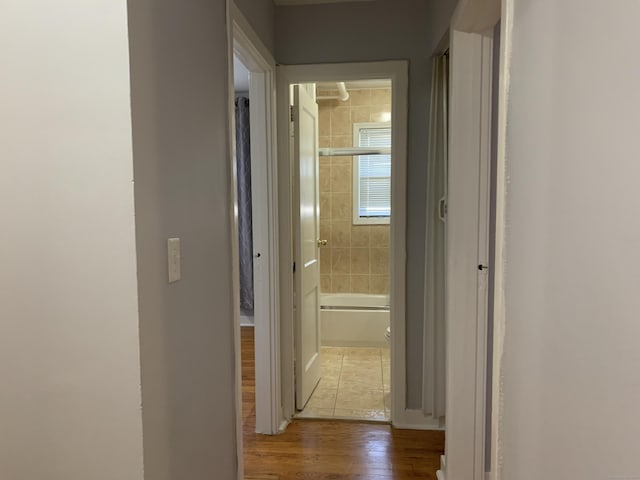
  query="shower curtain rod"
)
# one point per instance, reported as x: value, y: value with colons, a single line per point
x: 352, y: 151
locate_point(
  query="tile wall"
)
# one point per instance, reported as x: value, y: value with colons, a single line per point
x: 356, y: 259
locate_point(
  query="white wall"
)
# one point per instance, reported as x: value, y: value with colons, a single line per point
x: 371, y: 31
x: 182, y: 189
x: 69, y: 351
x: 571, y: 367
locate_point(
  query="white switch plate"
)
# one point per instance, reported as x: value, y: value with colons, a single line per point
x: 173, y: 256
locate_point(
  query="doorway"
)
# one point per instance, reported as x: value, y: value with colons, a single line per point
x: 337, y: 263
x: 252, y: 75
x: 351, y: 237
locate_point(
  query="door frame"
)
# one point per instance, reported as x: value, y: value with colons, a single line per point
x: 471, y: 40
x: 244, y: 42
x: 397, y: 71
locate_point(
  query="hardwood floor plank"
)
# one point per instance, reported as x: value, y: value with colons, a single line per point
x: 331, y: 449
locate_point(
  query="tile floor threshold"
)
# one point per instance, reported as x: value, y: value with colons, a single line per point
x: 355, y: 385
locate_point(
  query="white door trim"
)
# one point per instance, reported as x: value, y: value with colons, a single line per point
x: 467, y: 236
x: 246, y: 45
x: 499, y: 315
x: 397, y: 71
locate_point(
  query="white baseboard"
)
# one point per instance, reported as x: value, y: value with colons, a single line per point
x: 441, y: 474
x: 283, y: 425
x: 417, y: 420
x: 246, y: 321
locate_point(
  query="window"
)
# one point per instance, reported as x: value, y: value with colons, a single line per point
x: 372, y: 174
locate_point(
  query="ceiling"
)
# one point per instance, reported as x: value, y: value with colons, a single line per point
x: 314, y: 2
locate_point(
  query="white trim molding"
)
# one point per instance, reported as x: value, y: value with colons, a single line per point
x: 499, y: 315
x: 397, y: 71
x: 245, y: 44
x: 467, y: 236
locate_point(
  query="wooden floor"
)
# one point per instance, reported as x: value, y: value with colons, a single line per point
x: 329, y: 449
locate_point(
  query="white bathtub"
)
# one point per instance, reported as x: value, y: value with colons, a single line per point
x: 353, y: 320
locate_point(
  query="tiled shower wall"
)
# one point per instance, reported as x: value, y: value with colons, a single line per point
x: 356, y: 259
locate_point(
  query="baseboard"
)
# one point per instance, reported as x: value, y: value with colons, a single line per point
x: 417, y: 420
x: 246, y: 321
x: 441, y: 474
x: 283, y: 426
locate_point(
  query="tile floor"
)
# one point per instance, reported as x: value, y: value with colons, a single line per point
x: 355, y: 384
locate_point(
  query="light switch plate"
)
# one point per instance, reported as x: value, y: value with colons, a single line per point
x: 173, y: 256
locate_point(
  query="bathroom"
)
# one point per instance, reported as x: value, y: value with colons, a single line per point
x: 354, y: 262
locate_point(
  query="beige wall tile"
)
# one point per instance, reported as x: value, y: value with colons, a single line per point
x: 380, y: 235
x: 341, y: 261
x: 379, y: 284
x: 325, y: 283
x: 359, y: 283
x: 360, y: 97
x: 324, y: 122
x: 325, y: 206
x: 325, y: 230
x: 381, y: 113
x: 325, y: 261
x: 340, y: 283
x: 381, y: 96
x: 361, y: 114
x: 342, y: 161
x: 360, y: 261
x: 379, y: 261
x: 340, y: 234
x: 341, y: 180
x: 354, y: 251
x: 340, y: 206
x: 341, y: 141
x: 340, y: 121
x: 324, y: 142
x: 326, y: 92
x: 360, y: 235
x: 325, y: 178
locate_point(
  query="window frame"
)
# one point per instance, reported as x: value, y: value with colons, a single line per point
x: 357, y: 219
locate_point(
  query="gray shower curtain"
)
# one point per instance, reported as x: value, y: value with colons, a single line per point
x: 245, y: 231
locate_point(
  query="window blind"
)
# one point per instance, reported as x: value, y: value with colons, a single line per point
x: 374, y: 174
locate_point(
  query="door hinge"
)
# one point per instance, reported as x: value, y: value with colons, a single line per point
x: 294, y: 267
x: 292, y: 113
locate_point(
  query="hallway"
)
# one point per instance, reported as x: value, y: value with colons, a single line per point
x: 326, y: 449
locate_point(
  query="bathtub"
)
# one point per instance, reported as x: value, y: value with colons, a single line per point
x: 353, y: 320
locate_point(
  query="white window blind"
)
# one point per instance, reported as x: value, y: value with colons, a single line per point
x: 374, y: 174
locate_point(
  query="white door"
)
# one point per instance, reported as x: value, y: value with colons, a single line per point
x: 307, y: 261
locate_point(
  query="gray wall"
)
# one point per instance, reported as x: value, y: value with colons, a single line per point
x: 261, y: 16
x: 440, y: 13
x: 381, y: 30
x: 182, y: 189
